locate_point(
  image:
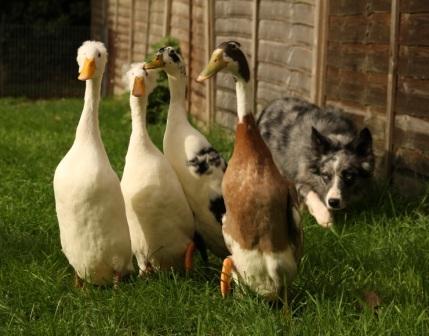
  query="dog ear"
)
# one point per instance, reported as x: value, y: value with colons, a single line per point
x: 320, y: 143
x: 362, y: 144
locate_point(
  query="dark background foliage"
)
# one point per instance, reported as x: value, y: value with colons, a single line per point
x: 47, y: 14
x: 38, y: 42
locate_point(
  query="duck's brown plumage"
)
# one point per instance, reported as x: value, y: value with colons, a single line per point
x: 256, y: 195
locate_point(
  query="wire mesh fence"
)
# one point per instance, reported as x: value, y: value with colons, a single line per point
x: 40, y: 63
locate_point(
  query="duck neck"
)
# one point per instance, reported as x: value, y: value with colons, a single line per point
x: 138, y: 115
x: 88, y: 123
x: 242, y: 89
x: 177, y: 111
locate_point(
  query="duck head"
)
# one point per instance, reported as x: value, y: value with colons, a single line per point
x: 141, y: 81
x: 228, y: 57
x: 168, y: 59
x: 92, y: 59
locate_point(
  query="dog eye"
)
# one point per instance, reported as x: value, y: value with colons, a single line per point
x: 349, y: 178
x: 326, y: 177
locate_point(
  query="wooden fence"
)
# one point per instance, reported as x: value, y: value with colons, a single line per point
x: 370, y: 57
x: 377, y: 69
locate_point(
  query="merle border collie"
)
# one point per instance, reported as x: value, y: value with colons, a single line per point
x: 321, y: 151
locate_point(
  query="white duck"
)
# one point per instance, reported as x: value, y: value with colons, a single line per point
x: 91, y: 213
x: 160, y: 219
x: 262, y: 223
x: 198, y: 165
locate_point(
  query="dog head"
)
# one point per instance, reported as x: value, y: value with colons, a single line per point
x: 339, y: 166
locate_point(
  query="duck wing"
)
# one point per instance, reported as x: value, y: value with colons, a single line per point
x: 207, y: 161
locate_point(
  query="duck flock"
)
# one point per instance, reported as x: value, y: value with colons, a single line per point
x: 169, y: 205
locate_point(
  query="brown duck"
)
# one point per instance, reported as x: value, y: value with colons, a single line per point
x: 261, y: 226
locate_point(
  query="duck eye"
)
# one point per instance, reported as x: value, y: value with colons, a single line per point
x: 99, y: 54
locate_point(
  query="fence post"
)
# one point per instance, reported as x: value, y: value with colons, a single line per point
x: 105, y: 39
x: 391, y: 86
x: 167, y: 18
x: 210, y: 44
x: 254, y: 57
x: 116, y: 14
x: 148, y: 5
x: 131, y: 33
x: 320, y: 49
x: 191, y: 5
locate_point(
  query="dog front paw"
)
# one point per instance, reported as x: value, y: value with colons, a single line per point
x: 318, y: 210
x: 324, y: 218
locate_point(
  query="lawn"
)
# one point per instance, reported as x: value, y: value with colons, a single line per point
x: 381, y: 246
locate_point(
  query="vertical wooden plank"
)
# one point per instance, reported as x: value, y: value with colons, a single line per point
x: 113, y: 53
x: 146, y: 48
x: 210, y: 45
x: 116, y: 15
x: 191, y: 4
x: 167, y: 18
x: 105, y: 38
x: 391, y: 86
x: 254, y: 59
x: 319, y: 56
x: 131, y: 32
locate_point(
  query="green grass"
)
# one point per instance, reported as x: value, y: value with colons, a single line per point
x: 382, y: 246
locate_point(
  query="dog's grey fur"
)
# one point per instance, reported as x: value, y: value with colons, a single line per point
x: 319, y: 149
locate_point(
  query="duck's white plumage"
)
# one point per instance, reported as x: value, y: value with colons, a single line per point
x: 189, y: 153
x: 160, y: 219
x: 265, y: 273
x: 198, y: 165
x: 89, y: 203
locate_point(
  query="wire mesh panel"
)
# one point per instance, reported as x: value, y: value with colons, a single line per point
x: 40, y: 63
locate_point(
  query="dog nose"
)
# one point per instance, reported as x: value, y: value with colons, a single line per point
x: 334, y: 203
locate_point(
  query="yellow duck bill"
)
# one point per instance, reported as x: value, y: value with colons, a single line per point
x: 215, y: 65
x: 88, y: 69
x: 156, y: 63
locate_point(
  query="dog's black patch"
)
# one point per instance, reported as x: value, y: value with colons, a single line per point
x: 303, y: 108
x: 217, y: 207
x: 266, y: 135
x: 362, y: 144
x: 206, y: 158
x: 322, y: 144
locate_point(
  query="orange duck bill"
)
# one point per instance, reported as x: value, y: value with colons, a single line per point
x: 88, y: 69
